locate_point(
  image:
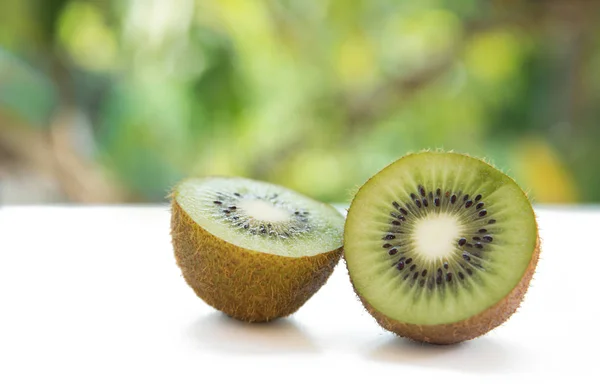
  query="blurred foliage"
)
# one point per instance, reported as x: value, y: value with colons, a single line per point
x: 314, y: 95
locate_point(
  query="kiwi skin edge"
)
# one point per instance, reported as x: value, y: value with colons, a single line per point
x: 247, y: 285
x: 463, y: 330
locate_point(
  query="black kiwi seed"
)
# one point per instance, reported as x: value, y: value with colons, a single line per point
x: 418, y: 203
x: 237, y: 194
x: 422, y: 283
x: 226, y: 211
x: 400, y: 265
x: 409, y: 260
x: 488, y: 238
x: 389, y: 237
x: 396, y: 222
x: 416, y: 275
x: 413, y: 196
x: 297, y: 213
x: 246, y: 226
x: 403, y: 211
x: 386, y: 246
x: 468, y: 204
x: 449, y: 277
x: 232, y: 208
x: 476, y: 238
x: 425, y: 202
x: 393, y: 251
x: 480, y: 205
x: 479, y: 245
x: 462, y: 241
x: 453, y: 199
x: 424, y: 273
x: 461, y: 275
x: 437, y: 202
x: 413, y: 267
x: 397, y: 216
x: 438, y: 280
x: 438, y: 192
x: 482, y: 230
x: 478, y: 198
x: 422, y: 190
x: 439, y: 271
x: 396, y: 205
x: 482, y: 213
x: 491, y: 221
x: 465, y: 198
x: 446, y: 265
x: 218, y: 202
x: 466, y: 257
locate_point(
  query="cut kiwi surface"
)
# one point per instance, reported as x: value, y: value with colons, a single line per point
x: 440, y: 247
x: 254, y: 250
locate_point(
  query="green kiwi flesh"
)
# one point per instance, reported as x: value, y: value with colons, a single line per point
x: 440, y: 247
x: 253, y: 250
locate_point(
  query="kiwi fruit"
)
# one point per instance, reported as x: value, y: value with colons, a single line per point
x: 440, y: 247
x: 253, y: 250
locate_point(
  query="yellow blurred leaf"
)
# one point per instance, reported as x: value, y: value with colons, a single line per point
x: 317, y: 173
x: 494, y: 56
x: 87, y: 38
x: 412, y: 41
x: 355, y: 61
x: 540, y: 169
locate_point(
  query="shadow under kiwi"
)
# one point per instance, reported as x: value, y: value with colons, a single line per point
x: 226, y: 334
x: 483, y: 355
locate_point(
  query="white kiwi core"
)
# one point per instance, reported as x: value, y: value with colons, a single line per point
x: 435, y: 236
x: 264, y: 211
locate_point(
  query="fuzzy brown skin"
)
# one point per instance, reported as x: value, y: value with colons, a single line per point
x: 245, y: 284
x: 462, y: 330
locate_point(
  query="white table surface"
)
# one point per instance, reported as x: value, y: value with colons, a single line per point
x: 91, y: 296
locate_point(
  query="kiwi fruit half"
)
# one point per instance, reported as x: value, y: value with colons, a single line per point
x: 253, y: 250
x: 440, y: 247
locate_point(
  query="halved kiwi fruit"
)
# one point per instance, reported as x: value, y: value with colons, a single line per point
x: 440, y: 247
x: 253, y: 250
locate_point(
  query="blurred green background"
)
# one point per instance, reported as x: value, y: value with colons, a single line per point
x: 115, y: 101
